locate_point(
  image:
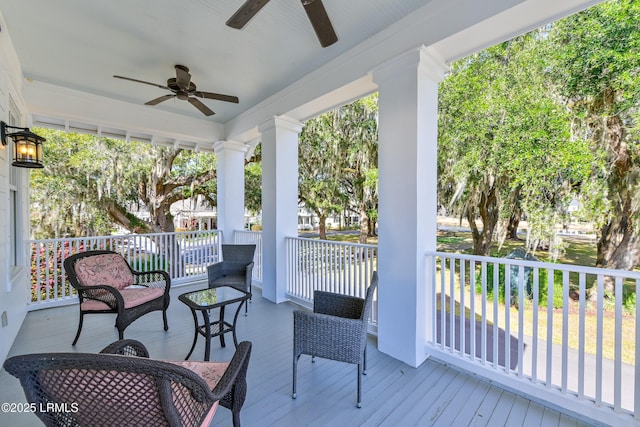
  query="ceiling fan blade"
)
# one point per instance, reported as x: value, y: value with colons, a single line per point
x: 245, y: 13
x: 320, y: 21
x: 183, y: 78
x: 141, y: 81
x: 219, y: 97
x: 200, y: 106
x: 159, y: 99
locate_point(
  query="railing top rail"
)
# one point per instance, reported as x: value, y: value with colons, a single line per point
x: 247, y: 231
x: 331, y: 242
x: 125, y: 236
x: 540, y: 264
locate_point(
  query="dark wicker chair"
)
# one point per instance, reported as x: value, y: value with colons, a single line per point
x: 81, y: 389
x: 232, y: 400
x: 336, y: 330
x: 126, y: 348
x: 104, y: 282
x: 235, y: 269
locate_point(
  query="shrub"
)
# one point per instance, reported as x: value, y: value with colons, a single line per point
x: 44, y: 268
x: 629, y: 298
x: 542, y: 285
x: 543, y: 288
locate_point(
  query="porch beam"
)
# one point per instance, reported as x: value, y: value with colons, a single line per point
x: 279, y: 200
x: 407, y: 164
x: 67, y: 109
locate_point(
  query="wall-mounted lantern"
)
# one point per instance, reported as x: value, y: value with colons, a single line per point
x: 27, y: 146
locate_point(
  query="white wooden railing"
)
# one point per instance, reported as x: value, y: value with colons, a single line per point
x: 329, y: 266
x: 585, y: 348
x: 252, y: 237
x: 184, y: 255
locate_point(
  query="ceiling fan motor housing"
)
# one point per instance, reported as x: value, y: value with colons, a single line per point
x: 173, y: 85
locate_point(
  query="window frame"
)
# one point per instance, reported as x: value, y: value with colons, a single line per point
x: 16, y: 258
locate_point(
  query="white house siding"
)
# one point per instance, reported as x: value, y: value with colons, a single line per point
x: 13, y: 280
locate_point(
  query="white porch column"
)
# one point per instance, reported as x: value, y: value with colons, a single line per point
x: 279, y: 200
x: 230, y: 187
x: 407, y: 162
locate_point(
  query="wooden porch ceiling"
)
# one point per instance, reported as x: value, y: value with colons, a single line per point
x: 393, y: 392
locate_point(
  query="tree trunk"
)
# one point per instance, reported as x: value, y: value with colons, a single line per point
x: 512, y: 227
x: 322, y: 226
x: 130, y: 222
x: 371, y: 225
x: 487, y: 211
x: 163, y: 219
x: 618, y: 249
x: 364, y: 224
x: 619, y: 241
x: 623, y: 254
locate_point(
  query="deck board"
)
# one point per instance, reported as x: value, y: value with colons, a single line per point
x: 465, y: 414
x: 430, y: 410
x: 487, y: 406
x: 393, y: 392
x: 563, y: 420
x: 393, y: 387
x: 551, y: 418
x: 534, y: 415
x: 502, y: 409
x: 444, y: 408
x: 518, y: 411
x: 413, y: 399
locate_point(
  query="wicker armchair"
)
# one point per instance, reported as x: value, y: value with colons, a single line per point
x: 232, y: 400
x: 235, y: 269
x: 107, y: 284
x: 336, y: 330
x: 80, y: 389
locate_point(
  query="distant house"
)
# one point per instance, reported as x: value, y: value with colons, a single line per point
x: 307, y: 220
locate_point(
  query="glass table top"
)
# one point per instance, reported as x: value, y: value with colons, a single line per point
x: 213, y: 296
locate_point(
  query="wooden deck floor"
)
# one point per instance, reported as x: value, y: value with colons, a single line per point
x: 394, y: 394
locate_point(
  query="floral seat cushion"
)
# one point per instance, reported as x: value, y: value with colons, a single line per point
x: 132, y: 298
x: 211, y: 372
x: 105, y: 269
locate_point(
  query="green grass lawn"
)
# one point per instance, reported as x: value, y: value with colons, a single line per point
x: 579, y: 250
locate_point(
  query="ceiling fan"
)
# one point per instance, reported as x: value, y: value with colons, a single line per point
x: 183, y: 88
x: 315, y: 11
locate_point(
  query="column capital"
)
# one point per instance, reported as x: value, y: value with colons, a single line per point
x: 426, y: 60
x: 280, y: 122
x: 230, y: 145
